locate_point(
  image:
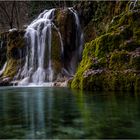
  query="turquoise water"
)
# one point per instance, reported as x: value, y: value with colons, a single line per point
x: 62, y: 113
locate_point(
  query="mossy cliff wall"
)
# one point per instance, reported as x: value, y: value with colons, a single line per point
x: 111, y: 61
x: 96, y: 16
x: 14, y: 55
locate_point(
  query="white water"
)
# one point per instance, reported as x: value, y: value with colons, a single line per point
x: 3, y: 69
x: 38, y: 69
x: 38, y: 36
x: 133, y: 4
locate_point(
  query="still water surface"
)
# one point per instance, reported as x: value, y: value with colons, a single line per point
x: 41, y: 112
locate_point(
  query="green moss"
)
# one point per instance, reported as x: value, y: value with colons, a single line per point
x: 135, y: 62
x: 56, y: 46
x: 108, y: 80
x: 136, y: 36
x: 119, y: 60
x: 137, y: 83
x: 56, y: 52
x: 127, y: 21
x: 105, y: 44
x: 11, y: 68
x: 111, y: 61
x: 95, y: 57
x: 114, y: 53
x: 102, y: 45
x: 93, y: 82
x: 122, y: 80
x: 78, y: 79
x: 15, y: 43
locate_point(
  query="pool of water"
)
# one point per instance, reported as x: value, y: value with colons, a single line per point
x: 39, y: 113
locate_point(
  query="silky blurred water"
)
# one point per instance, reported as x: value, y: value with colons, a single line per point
x: 41, y: 113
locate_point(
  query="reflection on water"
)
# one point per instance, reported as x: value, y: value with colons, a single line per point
x: 39, y: 113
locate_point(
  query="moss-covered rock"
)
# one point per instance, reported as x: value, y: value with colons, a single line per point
x: 119, y: 60
x: 11, y: 68
x: 126, y: 80
x: 56, y: 54
x: 65, y: 22
x: 135, y: 61
x: 111, y: 61
x: 15, y: 44
x: 15, y: 54
x: 96, y: 16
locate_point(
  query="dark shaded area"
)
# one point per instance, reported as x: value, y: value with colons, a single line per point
x: 3, y: 49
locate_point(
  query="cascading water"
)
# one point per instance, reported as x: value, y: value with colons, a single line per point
x: 38, y: 70
x: 3, y: 69
x: 79, y: 42
x: 38, y: 36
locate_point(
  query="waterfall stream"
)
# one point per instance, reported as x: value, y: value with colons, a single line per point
x: 38, y: 37
x: 3, y: 68
x: 79, y: 41
x: 37, y: 70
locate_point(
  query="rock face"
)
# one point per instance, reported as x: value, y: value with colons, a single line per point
x: 111, y: 61
x: 65, y: 21
x: 15, y: 53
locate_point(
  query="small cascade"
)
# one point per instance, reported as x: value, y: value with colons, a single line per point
x: 79, y: 42
x: 3, y: 69
x: 38, y: 67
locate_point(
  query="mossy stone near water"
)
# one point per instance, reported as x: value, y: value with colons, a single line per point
x: 111, y: 61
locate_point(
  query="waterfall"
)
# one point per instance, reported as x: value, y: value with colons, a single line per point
x: 3, y: 69
x: 38, y: 69
x: 79, y: 42
x: 38, y: 37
